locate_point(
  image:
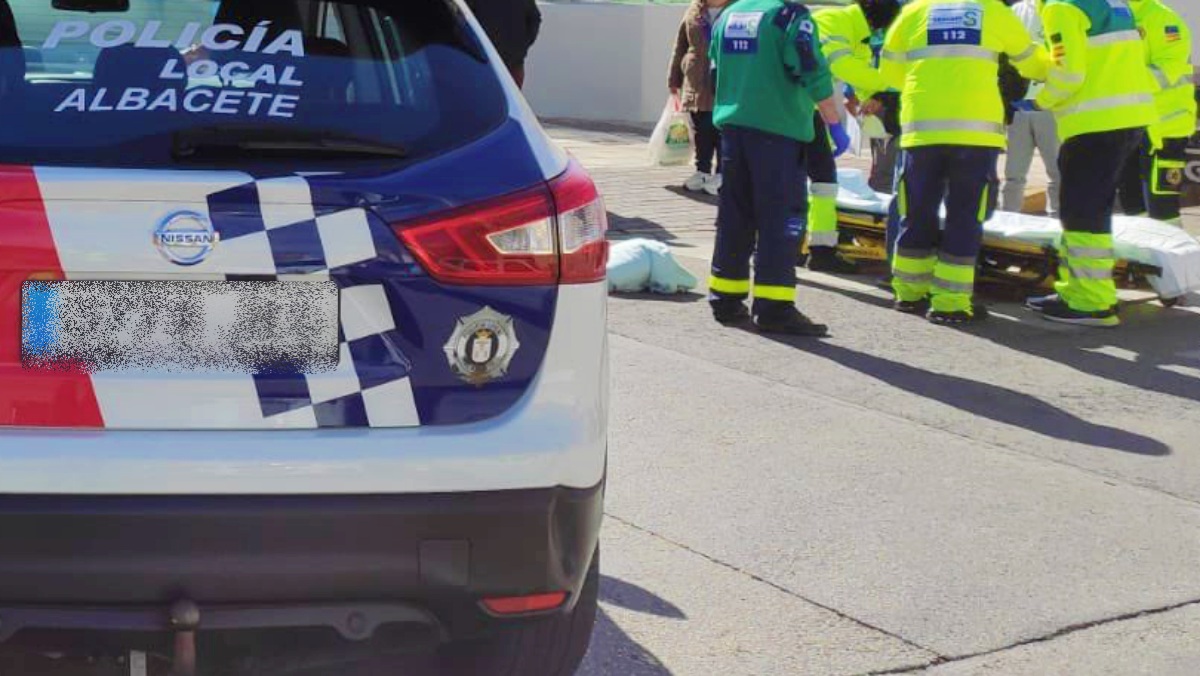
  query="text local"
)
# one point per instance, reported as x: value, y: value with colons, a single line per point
x: 215, y: 38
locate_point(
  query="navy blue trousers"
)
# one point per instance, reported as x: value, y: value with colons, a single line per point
x: 959, y: 176
x: 893, y: 219
x: 761, y: 214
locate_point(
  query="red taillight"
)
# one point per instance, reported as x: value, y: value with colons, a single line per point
x: 522, y: 605
x: 536, y: 237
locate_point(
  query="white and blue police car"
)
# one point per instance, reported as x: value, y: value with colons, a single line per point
x: 302, y: 341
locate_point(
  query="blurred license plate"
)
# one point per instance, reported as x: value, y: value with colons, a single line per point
x: 238, y: 327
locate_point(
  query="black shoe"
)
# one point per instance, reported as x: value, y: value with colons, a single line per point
x: 790, y: 323
x: 978, y: 313
x: 1058, y: 311
x: 730, y: 312
x: 912, y: 307
x: 826, y: 259
x: 1038, y: 303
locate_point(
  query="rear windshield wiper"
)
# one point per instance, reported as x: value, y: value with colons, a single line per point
x: 191, y: 142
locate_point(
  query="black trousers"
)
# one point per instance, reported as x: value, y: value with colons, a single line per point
x: 822, y: 167
x: 708, y: 142
x: 1146, y: 187
x: 1092, y: 166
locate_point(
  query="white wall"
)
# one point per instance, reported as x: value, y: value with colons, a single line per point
x: 602, y: 62
x: 1190, y: 11
x: 608, y: 62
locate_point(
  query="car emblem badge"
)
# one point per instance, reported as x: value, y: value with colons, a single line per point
x: 186, y: 238
x: 482, y: 346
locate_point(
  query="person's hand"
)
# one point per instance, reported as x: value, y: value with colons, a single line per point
x: 674, y: 91
x: 872, y: 107
x: 841, y: 140
x: 852, y: 105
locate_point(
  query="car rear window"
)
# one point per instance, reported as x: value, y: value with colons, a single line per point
x: 167, y: 82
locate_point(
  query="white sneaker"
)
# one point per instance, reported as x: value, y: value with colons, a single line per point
x: 712, y: 185
x: 696, y: 183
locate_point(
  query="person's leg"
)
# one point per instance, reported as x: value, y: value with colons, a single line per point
x: 822, y: 206
x: 706, y: 140
x: 892, y: 232
x: 1091, y: 167
x: 1131, y: 189
x: 1017, y: 161
x: 1165, y: 180
x: 1045, y: 136
x: 968, y: 186
x: 780, y: 201
x: 729, y: 284
x: 918, y: 201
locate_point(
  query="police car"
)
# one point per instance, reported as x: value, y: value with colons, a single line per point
x: 303, y: 348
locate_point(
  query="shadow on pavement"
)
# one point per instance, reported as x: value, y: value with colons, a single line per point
x: 701, y: 197
x: 982, y: 399
x: 687, y: 297
x: 1147, y: 344
x: 628, y: 227
x: 632, y: 597
x: 614, y: 653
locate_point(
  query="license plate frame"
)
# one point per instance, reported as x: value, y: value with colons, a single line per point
x: 249, y: 327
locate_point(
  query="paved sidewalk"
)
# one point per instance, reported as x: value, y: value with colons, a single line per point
x: 1014, y: 498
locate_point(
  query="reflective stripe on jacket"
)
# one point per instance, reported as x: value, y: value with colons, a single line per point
x: 943, y: 56
x: 1169, y: 55
x: 846, y: 43
x: 1098, y: 77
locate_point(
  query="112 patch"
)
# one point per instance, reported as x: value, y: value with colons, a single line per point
x: 741, y: 33
x: 956, y: 25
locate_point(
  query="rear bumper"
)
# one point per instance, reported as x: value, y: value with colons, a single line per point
x: 556, y: 435
x: 347, y: 563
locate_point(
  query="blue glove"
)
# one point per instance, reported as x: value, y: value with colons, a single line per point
x: 1024, y: 105
x: 841, y: 140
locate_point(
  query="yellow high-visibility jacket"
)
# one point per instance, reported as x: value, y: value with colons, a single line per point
x: 1169, y: 53
x: 1098, y: 77
x: 942, y: 55
x: 845, y: 41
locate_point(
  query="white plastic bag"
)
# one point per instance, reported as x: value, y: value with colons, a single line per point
x: 854, y: 131
x: 640, y: 265
x: 671, y: 142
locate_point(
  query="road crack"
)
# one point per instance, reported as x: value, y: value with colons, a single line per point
x: 1054, y: 635
x: 760, y: 579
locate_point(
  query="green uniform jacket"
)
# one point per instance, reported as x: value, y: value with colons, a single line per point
x: 770, y: 70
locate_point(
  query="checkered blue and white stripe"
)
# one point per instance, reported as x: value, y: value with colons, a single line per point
x: 269, y: 229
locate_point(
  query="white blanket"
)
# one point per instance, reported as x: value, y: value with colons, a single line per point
x: 1141, y: 240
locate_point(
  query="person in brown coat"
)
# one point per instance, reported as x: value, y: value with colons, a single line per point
x: 690, y: 81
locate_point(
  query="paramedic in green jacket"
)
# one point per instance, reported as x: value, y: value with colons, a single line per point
x: 770, y: 77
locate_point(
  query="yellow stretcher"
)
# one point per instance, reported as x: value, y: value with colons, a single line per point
x: 1019, y: 267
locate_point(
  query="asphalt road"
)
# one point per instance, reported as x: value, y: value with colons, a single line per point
x: 1017, y: 498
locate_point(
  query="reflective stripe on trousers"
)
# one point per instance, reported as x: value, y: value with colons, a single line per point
x: 822, y: 215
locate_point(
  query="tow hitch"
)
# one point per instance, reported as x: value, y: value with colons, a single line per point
x: 185, y: 619
x: 355, y: 624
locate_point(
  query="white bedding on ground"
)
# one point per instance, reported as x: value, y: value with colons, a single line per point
x: 1140, y: 240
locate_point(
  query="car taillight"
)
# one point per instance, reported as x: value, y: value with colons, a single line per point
x: 546, y: 235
